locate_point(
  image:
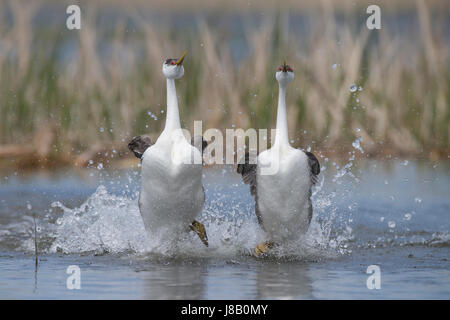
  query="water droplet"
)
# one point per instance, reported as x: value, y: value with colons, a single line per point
x: 152, y: 115
x: 417, y: 200
x: 334, y: 66
x: 357, y: 144
x: 405, y: 163
x: 101, y: 129
x: 100, y: 166
x: 408, y: 216
x: 29, y: 207
x: 360, y: 88
x: 353, y: 88
x: 391, y: 224
x: 382, y: 219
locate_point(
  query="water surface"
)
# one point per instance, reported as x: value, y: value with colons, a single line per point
x: 392, y: 213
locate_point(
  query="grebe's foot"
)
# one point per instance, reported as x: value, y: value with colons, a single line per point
x: 262, y: 248
x: 200, y: 230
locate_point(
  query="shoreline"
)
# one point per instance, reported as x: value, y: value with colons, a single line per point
x: 18, y: 158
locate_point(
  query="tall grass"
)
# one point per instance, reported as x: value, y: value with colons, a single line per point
x: 71, y: 94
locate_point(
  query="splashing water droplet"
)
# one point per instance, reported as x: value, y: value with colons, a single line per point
x: 353, y: 88
x: 408, y: 216
x: 391, y: 224
x: 152, y: 115
x: 101, y: 129
x: 357, y: 144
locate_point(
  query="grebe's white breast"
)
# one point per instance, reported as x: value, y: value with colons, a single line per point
x: 283, y: 197
x: 171, y: 192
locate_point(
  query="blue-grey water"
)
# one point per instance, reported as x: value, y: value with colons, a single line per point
x: 390, y: 213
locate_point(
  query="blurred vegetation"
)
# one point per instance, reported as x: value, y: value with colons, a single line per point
x: 71, y: 95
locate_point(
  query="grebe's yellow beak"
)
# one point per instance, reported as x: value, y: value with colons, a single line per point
x: 180, y: 61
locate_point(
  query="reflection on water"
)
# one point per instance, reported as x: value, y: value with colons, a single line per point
x: 283, y: 281
x: 173, y: 281
x: 268, y: 280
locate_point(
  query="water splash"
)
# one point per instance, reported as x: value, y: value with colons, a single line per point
x: 104, y: 223
x: 357, y: 144
x: 107, y: 223
x: 152, y: 115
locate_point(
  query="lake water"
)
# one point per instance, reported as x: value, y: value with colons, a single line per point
x: 391, y: 213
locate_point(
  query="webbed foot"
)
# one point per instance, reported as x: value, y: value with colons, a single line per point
x: 262, y: 248
x: 200, y: 230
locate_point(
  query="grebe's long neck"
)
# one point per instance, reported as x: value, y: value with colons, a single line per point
x: 172, y: 115
x: 282, y: 137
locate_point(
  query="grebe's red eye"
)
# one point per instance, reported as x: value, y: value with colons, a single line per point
x: 172, y: 63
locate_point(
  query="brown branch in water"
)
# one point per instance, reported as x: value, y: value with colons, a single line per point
x: 35, y: 243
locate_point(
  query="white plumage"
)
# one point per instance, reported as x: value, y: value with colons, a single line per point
x: 281, y: 180
x: 171, y: 194
x: 283, y: 197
